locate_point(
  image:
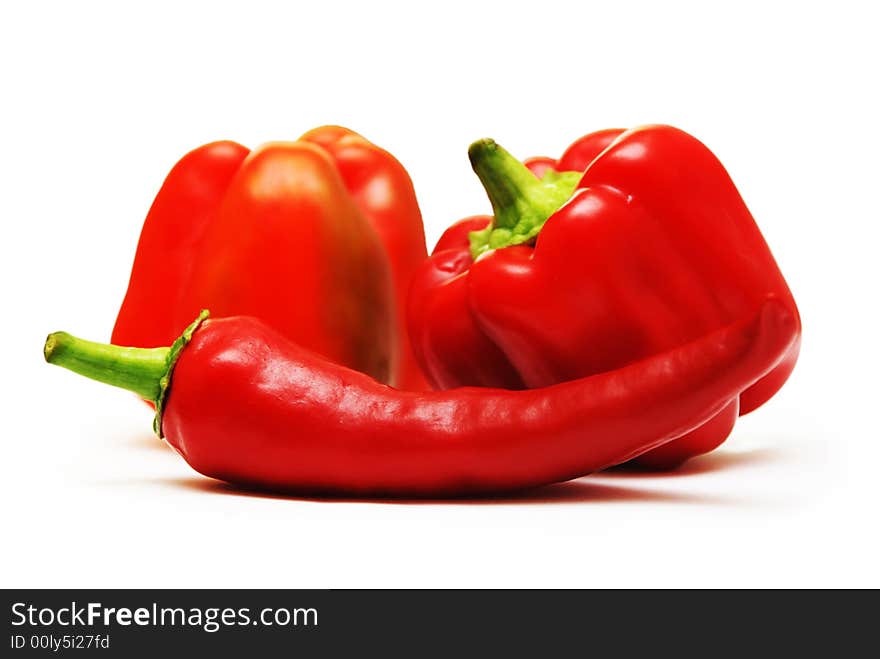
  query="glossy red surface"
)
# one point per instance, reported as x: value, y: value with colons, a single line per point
x: 656, y: 248
x: 248, y: 406
x: 273, y: 233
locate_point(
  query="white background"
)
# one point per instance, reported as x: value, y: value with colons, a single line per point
x: 99, y: 101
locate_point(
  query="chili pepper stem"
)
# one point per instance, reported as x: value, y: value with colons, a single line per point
x: 521, y: 202
x: 136, y: 369
x: 144, y: 371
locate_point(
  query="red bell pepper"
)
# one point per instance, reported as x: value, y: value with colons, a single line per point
x: 286, y: 233
x: 630, y: 244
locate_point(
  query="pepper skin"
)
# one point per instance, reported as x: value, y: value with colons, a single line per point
x: 633, y: 243
x: 249, y: 407
x: 384, y: 192
x: 286, y: 233
x: 160, y: 300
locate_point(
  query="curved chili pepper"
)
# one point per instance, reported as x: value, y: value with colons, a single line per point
x: 244, y: 405
x: 286, y: 233
x: 384, y: 192
x: 632, y: 243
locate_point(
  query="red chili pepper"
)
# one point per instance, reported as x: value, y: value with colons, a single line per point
x: 631, y: 244
x: 284, y: 234
x: 244, y: 405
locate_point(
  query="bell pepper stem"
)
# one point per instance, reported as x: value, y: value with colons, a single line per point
x: 144, y: 371
x: 521, y: 202
x: 513, y: 190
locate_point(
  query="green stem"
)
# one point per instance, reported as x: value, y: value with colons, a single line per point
x: 144, y: 371
x: 521, y: 202
x: 137, y: 369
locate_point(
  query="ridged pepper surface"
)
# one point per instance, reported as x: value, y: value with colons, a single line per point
x: 384, y: 192
x: 291, y: 233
